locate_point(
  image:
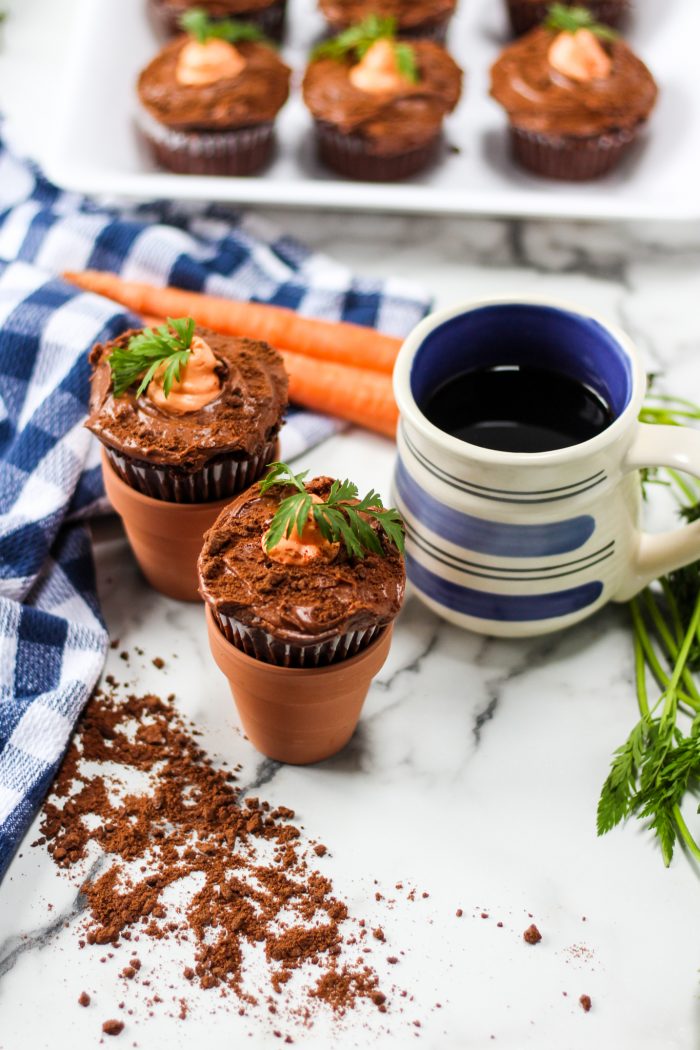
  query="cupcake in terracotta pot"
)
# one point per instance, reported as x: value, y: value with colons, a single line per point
x: 209, y: 98
x: 576, y: 96
x: 302, y: 581
x: 526, y: 14
x: 379, y: 102
x: 267, y: 15
x: 414, y: 18
x: 187, y: 418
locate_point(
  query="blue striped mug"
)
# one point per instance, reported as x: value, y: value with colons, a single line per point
x: 516, y: 544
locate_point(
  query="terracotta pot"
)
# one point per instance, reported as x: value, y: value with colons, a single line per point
x: 166, y: 538
x: 295, y: 714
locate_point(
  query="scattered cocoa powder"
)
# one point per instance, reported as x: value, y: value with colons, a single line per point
x: 585, y: 1001
x: 532, y: 935
x: 84, y: 999
x: 113, y: 1027
x: 256, y: 888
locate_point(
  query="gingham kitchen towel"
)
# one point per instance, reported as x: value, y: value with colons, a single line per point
x: 52, y: 637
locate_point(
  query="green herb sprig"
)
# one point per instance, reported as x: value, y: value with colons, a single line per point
x: 170, y: 345
x: 197, y: 23
x: 659, y: 763
x: 356, y: 41
x: 342, y: 517
x: 564, y: 19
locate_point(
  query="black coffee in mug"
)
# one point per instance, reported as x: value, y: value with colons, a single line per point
x: 517, y: 408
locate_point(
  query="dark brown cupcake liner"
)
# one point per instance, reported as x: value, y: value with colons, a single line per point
x: 568, y: 157
x: 223, y: 476
x: 524, y: 15
x: 350, y: 155
x: 270, y: 650
x: 435, y: 29
x: 270, y: 20
x: 239, y: 151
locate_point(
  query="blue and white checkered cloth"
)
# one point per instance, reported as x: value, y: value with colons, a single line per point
x: 52, y: 636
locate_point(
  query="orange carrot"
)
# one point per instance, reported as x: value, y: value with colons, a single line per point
x: 355, y: 394
x: 337, y: 341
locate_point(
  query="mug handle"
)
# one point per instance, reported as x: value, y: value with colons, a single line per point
x: 658, y: 445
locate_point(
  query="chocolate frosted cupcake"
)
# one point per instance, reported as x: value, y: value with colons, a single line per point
x: 186, y: 415
x: 309, y: 599
x: 414, y: 18
x: 526, y: 14
x: 378, y: 102
x: 267, y: 15
x: 575, y: 94
x: 209, y: 98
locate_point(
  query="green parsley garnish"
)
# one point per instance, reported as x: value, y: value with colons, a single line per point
x: 169, y: 344
x: 199, y: 25
x: 659, y: 763
x: 563, y: 19
x: 339, y: 518
x: 356, y: 41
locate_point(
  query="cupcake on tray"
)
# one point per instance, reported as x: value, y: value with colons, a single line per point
x: 302, y: 581
x: 414, y: 18
x: 267, y: 15
x: 576, y: 96
x: 187, y: 418
x: 208, y: 100
x: 379, y: 102
x: 526, y: 14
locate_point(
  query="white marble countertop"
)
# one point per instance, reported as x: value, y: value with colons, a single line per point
x: 475, y: 772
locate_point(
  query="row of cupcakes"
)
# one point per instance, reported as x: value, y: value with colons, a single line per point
x: 301, y: 580
x: 575, y: 94
x: 414, y: 18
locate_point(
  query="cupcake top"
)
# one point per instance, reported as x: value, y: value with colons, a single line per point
x: 408, y: 13
x: 192, y: 396
x: 393, y: 92
x: 581, y: 79
x: 308, y: 587
x: 223, y: 8
x: 217, y: 76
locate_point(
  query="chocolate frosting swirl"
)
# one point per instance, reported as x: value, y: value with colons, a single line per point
x: 294, y: 603
x: 539, y: 99
x: 392, y: 123
x: 243, y: 418
x: 255, y: 96
x: 408, y: 13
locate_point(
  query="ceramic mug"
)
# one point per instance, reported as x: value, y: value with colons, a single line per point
x: 517, y: 544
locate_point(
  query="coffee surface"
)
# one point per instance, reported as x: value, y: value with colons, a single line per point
x: 518, y: 408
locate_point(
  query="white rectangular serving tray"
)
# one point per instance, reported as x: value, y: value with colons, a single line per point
x: 96, y: 148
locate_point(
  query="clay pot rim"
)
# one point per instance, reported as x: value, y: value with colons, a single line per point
x: 298, y: 672
x: 150, y: 501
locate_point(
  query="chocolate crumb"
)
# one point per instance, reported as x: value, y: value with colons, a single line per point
x: 158, y: 662
x: 532, y: 935
x: 320, y: 850
x: 586, y: 1004
x: 84, y: 999
x: 392, y: 959
x: 113, y: 1027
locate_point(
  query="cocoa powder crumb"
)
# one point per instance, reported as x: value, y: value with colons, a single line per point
x: 84, y: 999
x: 113, y: 1027
x: 532, y: 935
x: 586, y: 1004
x: 320, y: 850
x: 158, y: 662
x: 459, y: 913
x: 251, y: 867
x: 392, y: 959
x: 378, y: 934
